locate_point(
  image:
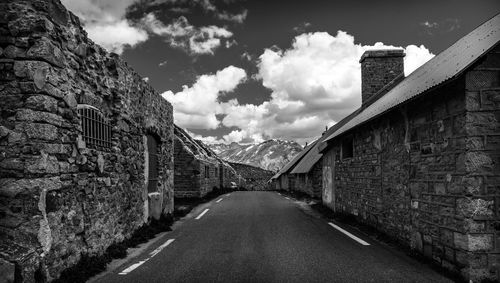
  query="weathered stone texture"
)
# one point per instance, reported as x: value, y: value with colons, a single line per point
x: 428, y: 173
x: 60, y: 198
x: 310, y: 183
x: 198, y: 170
x: 378, y: 69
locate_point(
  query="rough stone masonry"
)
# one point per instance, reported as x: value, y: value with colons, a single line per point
x: 69, y: 188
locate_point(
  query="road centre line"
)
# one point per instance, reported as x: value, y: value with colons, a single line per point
x: 219, y: 200
x: 201, y: 214
x: 349, y: 234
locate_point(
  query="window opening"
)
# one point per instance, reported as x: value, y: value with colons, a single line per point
x: 96, y: 131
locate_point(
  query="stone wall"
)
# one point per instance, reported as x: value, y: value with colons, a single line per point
x: 480, y: 186
x: 59, y: 197
x: 191, y: 161
x: 427, y: 173
x: 310, y: 183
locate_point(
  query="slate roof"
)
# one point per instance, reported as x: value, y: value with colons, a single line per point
x: 292, y: 162
x: 314, y: 155
x: 447, y: 65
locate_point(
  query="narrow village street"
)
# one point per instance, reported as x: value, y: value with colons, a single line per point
x: 266, y: 237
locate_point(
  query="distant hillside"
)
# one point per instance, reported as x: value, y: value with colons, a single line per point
x: 256, y: 177
x: 270, y: 155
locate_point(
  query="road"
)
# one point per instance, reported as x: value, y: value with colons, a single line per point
x: 266, y: 237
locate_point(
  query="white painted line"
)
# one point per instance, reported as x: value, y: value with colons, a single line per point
x: 349, y: 234
x: 132, y: 267
x: 219, y: 200
x: 201, y: 214
x: 160, y: 248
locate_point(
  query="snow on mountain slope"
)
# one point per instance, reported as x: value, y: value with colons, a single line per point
x: 270, y: 155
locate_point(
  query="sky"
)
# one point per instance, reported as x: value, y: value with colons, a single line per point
x: 250, y: 70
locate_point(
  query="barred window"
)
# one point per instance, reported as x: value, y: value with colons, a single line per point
x: 96, y: 129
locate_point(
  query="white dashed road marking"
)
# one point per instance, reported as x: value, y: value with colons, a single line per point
x: 160, y: 248
x: 132, y: 267
x: 349, y: 234
x: 201, y: 214
x: 219, y: 200
x: 151, y: 255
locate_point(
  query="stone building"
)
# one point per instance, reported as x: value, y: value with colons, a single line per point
x: 198, y: 170
x: 420, y: 159
x: 86, y: 146
x: 283, y: 180
x: 308, y: 172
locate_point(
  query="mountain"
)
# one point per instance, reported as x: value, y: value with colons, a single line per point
x: 270, y: 155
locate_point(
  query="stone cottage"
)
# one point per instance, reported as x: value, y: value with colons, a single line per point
x: 198, y: 170
x: 308, y: 172
x: 86, y: 146
x: 420, y: 159
x: 283, y: 180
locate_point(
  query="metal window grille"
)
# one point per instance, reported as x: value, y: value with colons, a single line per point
x: 96, y: 130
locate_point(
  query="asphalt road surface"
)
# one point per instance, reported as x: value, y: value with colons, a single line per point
x: 267, y: 237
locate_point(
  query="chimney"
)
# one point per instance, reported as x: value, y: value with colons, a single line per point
x: 378, y: 69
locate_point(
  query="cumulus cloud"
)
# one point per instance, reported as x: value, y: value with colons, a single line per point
x: 314, y: 84
x: 196, y: 107
x: 181, y: 34
x: 105, y: 23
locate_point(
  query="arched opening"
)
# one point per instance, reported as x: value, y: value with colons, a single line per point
x: 153, y: 145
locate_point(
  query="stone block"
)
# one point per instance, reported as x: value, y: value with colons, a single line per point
x: 478, y: 161
x: 7, y: 271
x: 43, y: 164
x: 44, y: 49
x: 480, y: 242
x: 42, y: 102
x: 474, y: 207
x: 155, y: 205
x: 39, y: 131
x: 29, y: 115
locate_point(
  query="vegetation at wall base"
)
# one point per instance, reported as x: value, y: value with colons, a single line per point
x: 89, y: 266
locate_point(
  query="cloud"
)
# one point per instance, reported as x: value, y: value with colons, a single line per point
x: 196, y: 107
x: 314, y: 84
x: 441, y: 27
x: 236, y: 18
x: 181, y: 34
x: 114, y: 37
x: 105, y: 23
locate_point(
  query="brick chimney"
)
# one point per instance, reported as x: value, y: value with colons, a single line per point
x: 378, y: 69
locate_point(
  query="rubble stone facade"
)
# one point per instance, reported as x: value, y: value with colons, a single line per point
x: 310, y: 183
x: 428, y: 172
x: 63, y: 194
x: 198, y: 170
